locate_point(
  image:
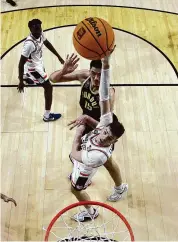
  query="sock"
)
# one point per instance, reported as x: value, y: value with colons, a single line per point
x: 119, y: 188
x: 91, y: 210
x: 46, y: 114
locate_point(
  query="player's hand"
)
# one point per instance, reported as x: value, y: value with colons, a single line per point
x: 70, y: 64
x: 8, y: 199
x: 82, y: 120
x: 107, y: 58
x: 20, y: 87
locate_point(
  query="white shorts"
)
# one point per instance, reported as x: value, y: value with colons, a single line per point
x: 35, y: 75
x: 81, y: 175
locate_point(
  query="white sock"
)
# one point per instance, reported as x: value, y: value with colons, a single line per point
x: 119, y: 188
x: 46, y: 114
x: 91, y: 210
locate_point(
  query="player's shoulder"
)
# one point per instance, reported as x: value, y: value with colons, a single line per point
x: 29, y: 41
x: 29, y: 45
x: 83, y: 75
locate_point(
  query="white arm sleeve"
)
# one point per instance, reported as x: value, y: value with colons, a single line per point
x: 105, y: 120
x: 28, y: 48
x: 93, y: 158
x: 104, y: 85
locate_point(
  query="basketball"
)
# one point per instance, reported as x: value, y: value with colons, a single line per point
x: 93, y: 38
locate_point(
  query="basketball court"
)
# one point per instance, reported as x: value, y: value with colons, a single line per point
x: 34, y: 154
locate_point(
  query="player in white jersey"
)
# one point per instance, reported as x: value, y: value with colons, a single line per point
x: 89, y: 102
x: 93, y: 150
x: 31, y: 68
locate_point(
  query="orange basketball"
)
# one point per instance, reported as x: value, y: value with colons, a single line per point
x: 93, y: 38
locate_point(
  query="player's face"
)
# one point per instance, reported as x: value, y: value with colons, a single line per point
x: 95, y: 74
x: 36, y: 30
x: 105, y: 138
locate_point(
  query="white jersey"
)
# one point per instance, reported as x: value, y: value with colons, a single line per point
x: 32, y: 49
x: 94, y: 155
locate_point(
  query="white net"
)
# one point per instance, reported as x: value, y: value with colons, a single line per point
x: 108, y: 226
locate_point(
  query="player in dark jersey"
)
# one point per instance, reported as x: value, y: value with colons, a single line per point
x: 89, y: 80
x: 89, y: 98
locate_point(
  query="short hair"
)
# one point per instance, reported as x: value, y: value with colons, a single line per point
x: 117, y: 128
x: 96, y: 64
x: 34, y: 22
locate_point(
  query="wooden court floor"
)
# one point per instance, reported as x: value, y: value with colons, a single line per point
x: 34, y: 154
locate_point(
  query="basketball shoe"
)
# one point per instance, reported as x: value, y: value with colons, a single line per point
x: 118, y: 193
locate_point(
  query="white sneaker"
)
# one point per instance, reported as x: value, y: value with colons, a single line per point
x: 118, y: 194
x: 85, y: 216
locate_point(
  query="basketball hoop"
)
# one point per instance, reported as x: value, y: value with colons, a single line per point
x: 110, y: 225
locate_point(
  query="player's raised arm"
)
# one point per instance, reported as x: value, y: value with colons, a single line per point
x: 104, y: 87
x: 106, y: 112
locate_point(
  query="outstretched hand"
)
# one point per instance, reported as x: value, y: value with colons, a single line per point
x: 106, y: 58
x: 20, y: 87
x: 82, y: 120
x: 70, y: 63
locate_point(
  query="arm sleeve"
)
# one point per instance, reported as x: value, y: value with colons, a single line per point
x: 28, y: 48
x: 104, y: 85
x: 93, y: 158
x: 105, y: 120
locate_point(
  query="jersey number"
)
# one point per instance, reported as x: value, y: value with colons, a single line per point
x: 88, y: 106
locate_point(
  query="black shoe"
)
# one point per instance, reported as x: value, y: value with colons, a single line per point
x: 11, y: 2
x: 52, y: 117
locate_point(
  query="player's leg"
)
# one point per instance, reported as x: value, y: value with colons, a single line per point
x: 40, y: 78
x: 81, y: 177
x: 48, y: 94
x: 120, y: 188
x: 114, y: 171
x: 90, y: 212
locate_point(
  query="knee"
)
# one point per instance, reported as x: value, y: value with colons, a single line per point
x: 73, y: 190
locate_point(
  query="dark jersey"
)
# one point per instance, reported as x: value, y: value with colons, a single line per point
x: 89, y: 101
